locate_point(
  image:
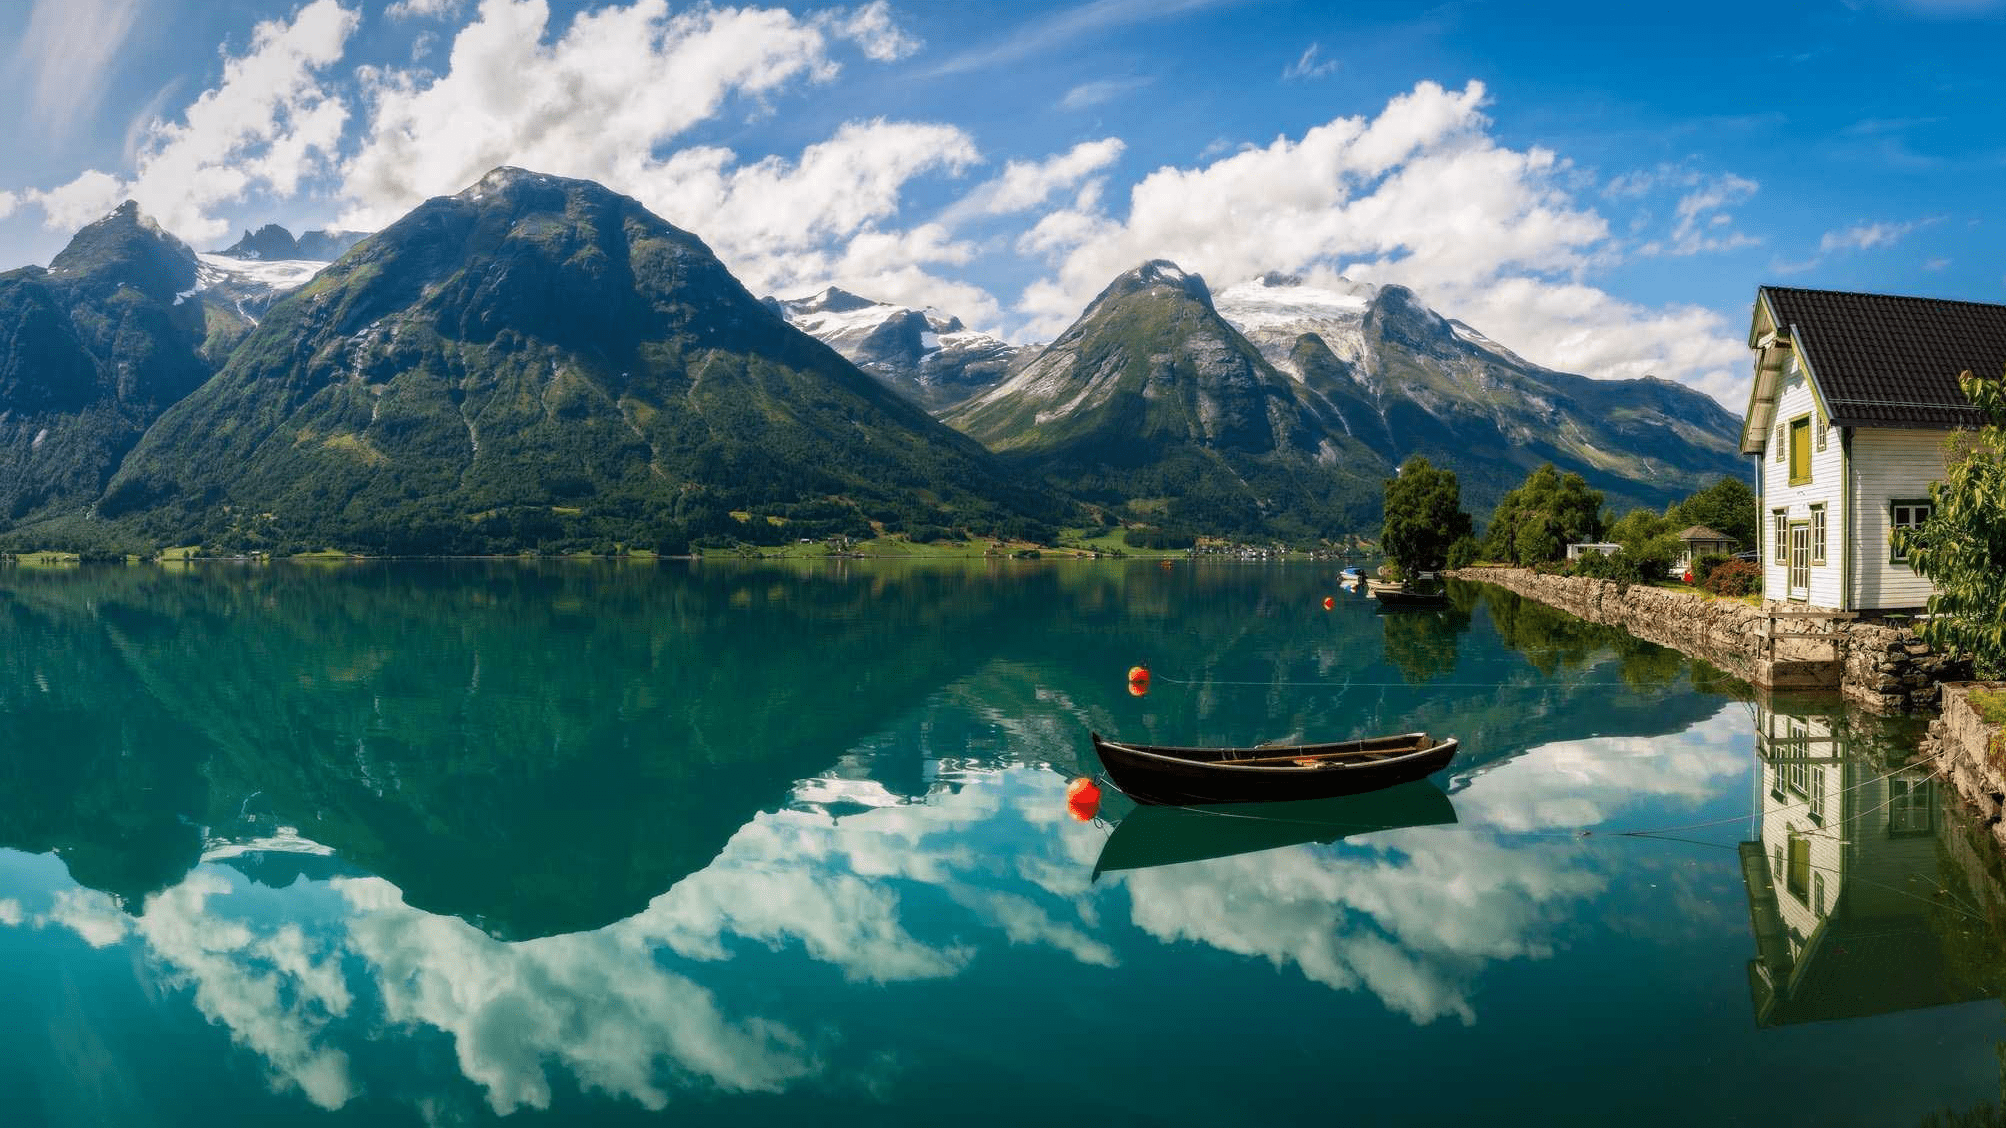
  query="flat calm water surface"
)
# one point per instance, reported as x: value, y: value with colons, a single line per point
x: 457, y: 843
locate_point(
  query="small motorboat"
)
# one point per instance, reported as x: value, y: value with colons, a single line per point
x: 1269, y: 773
x: 1351, y: 574
x: 1166, y: 836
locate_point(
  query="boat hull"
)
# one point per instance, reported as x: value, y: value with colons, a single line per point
x: 1190, y: 777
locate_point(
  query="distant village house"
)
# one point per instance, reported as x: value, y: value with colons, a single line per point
x: 1854, y: 397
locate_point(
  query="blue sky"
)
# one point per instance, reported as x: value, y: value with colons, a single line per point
x: 1600, y: 187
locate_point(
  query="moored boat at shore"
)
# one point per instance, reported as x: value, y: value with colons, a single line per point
x: 1178, y: 776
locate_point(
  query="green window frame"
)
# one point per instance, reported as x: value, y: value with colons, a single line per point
x: 1797, y: 871
x: 1800, y: 450
x: 1780, y: 537
x: 1905, y: 513
x: 1818, y: 534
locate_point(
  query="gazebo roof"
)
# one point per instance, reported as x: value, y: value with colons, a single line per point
x: 1702, y: 533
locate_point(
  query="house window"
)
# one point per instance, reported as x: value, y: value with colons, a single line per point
x: 1910, y: 812
x: 1906, y: 515
x: 1800, y: 451
x: 1816, y: 785
x: 1817, y: 534
x: 1781, y: 523
x: 1823, y: 427
x: 1818, y: 893
x: 1777, y: 445
x: 1797, y: 878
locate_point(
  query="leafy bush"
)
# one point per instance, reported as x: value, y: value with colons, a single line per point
x: 928, y: 534
x: 1733, y: 578
x: 1463, y: 552
x: 1593, y: 565
x: 1649, y: 559
x: 1704, y: 566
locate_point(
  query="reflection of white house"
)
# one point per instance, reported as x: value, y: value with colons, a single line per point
x: 1839, y: 932
x: 1854, y: 396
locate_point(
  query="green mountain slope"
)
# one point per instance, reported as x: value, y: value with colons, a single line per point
x: 535, y: 362
x: 92, y: 349
x: 1152, y: 404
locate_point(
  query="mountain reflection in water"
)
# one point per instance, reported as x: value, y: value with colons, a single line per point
x: 439, y: 844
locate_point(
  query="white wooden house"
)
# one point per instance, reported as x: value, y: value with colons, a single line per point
x: 1854, y: 397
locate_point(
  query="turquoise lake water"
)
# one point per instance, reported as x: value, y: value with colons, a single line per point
x: 458, y: 843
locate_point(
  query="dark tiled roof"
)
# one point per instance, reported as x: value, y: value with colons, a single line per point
x: 1702, y: 533
x: 1888, y: 361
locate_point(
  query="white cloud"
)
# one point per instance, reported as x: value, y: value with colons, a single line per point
x: 1089, y: 94
x: 1701, y: 210
x: 598, y: 101
x: 8, y: 202
x: 1420, y: 195
x: 786, y: 227
x: 10, y: 912
x: 93, y: 916
x: 1866, y: 236
x: 67, y: 47
x: 1055, y: 32
x: 871, y: 29
x: 267, y: 124
x: 422, y: 9
x: 1026, y: 184
x: 1307, y: 65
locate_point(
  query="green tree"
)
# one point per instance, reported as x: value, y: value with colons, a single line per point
x: 1424, y: 516
x: 1538, y: 520
x: 1727, y: 506
x: 1961, y: 548
x: 1640, y: 525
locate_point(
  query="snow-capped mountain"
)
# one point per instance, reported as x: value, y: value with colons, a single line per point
x: 923, y: 353
x: 1407, y: 380
x: 1275, y: 309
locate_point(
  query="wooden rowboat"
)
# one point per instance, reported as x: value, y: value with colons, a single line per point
x: 1269, y: 773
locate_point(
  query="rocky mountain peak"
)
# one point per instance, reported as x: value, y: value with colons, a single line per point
x: 1397, y: 314
x: 1152, y: 275
x: 127, y: 248
x: 273, y: 243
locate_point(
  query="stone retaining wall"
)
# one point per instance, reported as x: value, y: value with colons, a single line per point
x: 1959, y: 745
x: 1881, y: 666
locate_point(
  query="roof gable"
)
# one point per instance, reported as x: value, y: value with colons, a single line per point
x: 1884, y: 360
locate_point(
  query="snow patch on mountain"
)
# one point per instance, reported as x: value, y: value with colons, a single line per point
x: 925, y: 353
x: 250, y: 285
x: 1274, y: 310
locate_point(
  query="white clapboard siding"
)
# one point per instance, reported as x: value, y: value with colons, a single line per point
x: 1785, y: 809
x: 1889, y: 464
x: 1825, y: 487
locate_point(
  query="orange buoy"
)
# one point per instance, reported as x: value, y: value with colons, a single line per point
x: 1329, y: 603
x: 1138, y: 689
x: 1083, y: 799
x: 1139, y: 674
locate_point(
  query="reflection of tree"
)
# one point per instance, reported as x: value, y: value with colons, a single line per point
x: 1422, y: 644
x: 1553, y: 640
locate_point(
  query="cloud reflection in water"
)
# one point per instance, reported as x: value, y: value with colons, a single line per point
x: 1412, y: 917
